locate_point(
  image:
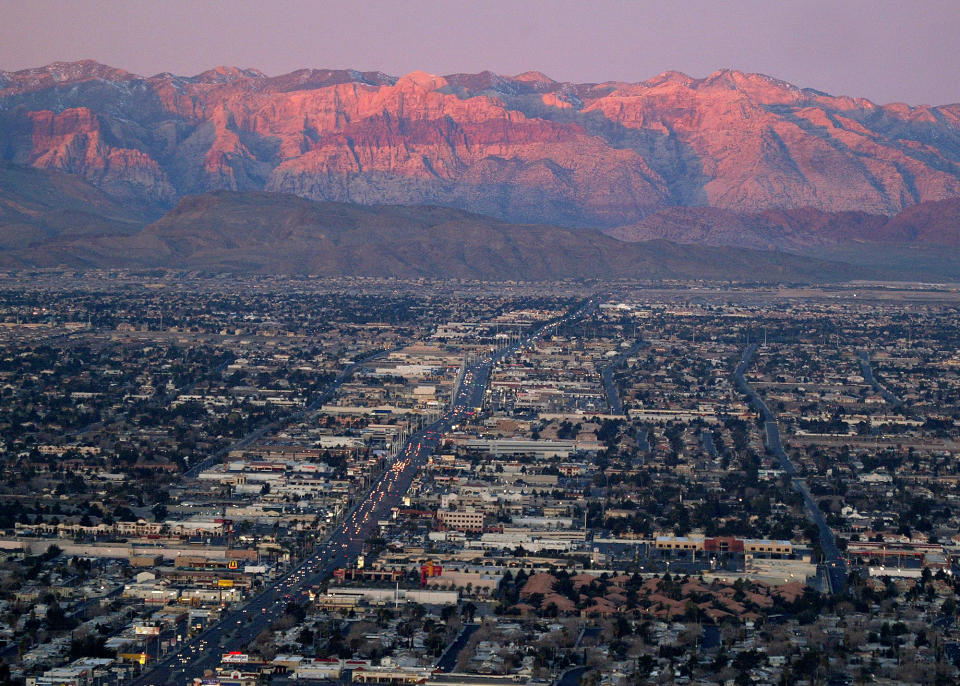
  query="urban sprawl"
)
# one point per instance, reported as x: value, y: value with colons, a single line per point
x: 222, y: 481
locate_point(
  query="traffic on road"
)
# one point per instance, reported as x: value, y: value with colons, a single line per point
x: 238, y: 627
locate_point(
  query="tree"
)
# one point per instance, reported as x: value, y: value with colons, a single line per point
x: 159, y: 512
x: 57, y: 619
x: 468, y: 611
x: 384, y: 615
x: 748, y: 660
x: 808, y: 664
x: 306, y: 637
x: 949, y: 607
x: 90, y: 646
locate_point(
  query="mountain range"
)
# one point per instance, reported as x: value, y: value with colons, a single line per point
x: 934, y: 223
x: 730, y: 160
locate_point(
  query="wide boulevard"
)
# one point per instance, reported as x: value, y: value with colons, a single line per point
x: 239, y: 626
x: 834, y: 567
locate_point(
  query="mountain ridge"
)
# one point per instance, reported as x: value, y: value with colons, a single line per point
x: 260, y: 232
x: 37, y: 205
x: 522, y: 148
x: 931, y: 223
x: 75, y: 71
x: 49, y: 218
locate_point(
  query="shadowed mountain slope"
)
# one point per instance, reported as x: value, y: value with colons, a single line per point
x: 277, y: 233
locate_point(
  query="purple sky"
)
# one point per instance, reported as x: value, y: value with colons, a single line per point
x: 907, y: 50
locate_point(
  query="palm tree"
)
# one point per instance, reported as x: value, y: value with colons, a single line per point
x: 384, y: 615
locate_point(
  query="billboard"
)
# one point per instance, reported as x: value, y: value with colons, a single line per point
x: 235, y: 657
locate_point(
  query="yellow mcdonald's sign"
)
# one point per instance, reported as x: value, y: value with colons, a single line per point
x: 134, y: 657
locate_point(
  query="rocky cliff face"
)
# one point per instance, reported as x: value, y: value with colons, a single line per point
x: 523, y: 148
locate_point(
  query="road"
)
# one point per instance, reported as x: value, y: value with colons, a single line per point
x: 257, y: 433
x: 834, y: 567
x: 448, y: 660
x: 706, y: 438
x: 571, y: 677
x: 238, y: 627
x: 867, y: 371
x: 613, y: 398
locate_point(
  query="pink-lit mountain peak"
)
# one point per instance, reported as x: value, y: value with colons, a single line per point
x: 224, y: 74
x: 523, y: 148
x: 85, y: 70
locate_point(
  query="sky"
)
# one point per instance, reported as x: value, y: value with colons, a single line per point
x: 884, y: 50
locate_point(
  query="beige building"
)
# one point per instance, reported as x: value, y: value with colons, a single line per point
x: 462, y: 520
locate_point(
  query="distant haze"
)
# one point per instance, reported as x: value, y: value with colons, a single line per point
x: 882, y: 50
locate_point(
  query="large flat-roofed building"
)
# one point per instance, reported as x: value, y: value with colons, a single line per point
x: 724, y: 544
x: 388, y: 596
x: 462, y: 679
x: 544, y: 449
x: 679, y: 542
x: 767, y: 547
x: 390, y: 675
x: 470, y: 521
